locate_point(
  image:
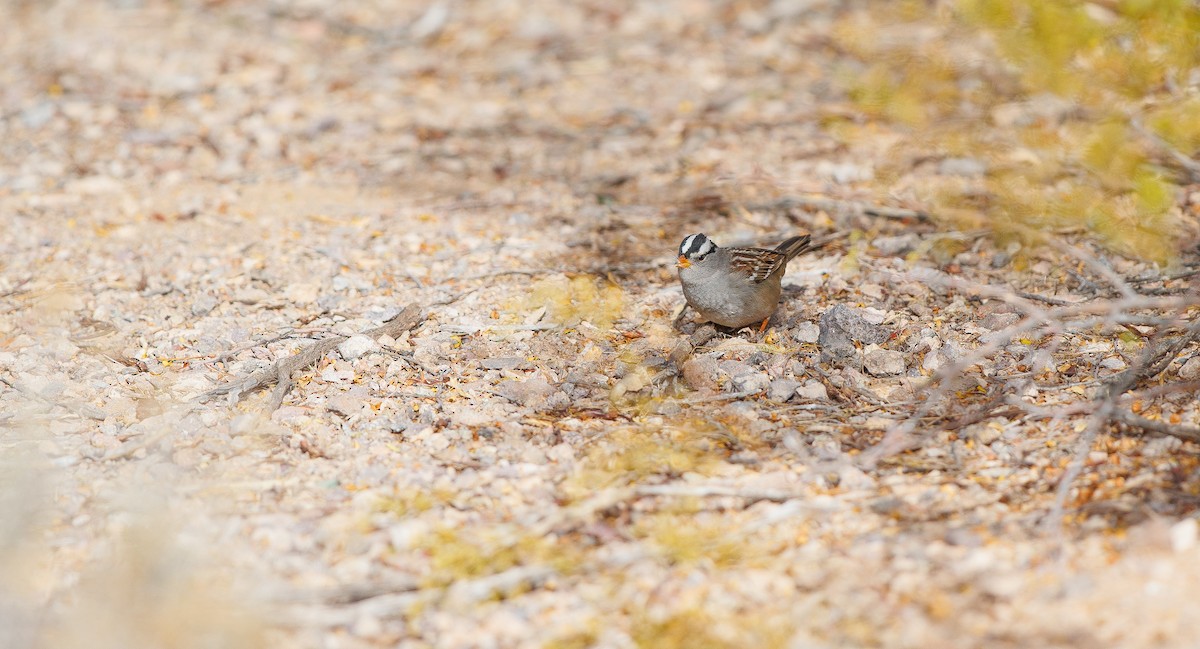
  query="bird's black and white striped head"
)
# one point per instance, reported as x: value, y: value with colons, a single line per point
x: 694, y: 248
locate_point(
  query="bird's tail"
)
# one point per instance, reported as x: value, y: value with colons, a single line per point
x: 795, y: 246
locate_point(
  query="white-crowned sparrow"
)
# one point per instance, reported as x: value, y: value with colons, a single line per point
x: 734, y: 287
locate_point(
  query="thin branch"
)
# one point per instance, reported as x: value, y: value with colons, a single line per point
x: 226, y: 355
x: 1164, y: 278
x: 1190, y: 165
x: 1167, y: 388
x: 530, y: 272
x: 280, y: 371
x: 1097, y: 266
x: 871, y: 397
x: 1038, y: 321
x: 474, y: 329
x: 17, y: 288
x: 714, y: 491
x: 1044, y: 298
x: 835, y: 205
x: 1149, y: 363
x: 129, y: 448
x: 82, y: 410
x: 1185, y: 433
x: 344, y: 606
x: 727, y: 396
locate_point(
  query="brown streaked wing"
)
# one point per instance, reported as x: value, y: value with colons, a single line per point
x: 759, y: 263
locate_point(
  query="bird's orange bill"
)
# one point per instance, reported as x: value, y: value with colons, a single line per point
x: 682, y: 262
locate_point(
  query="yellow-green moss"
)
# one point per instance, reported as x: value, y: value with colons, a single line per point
x: 572, y: 300
x: 700, y: 629
x: 454, y: 555
x: 412, y: 501
x: 628, y: 455
x: 688, y: 539
x: 576, y: 640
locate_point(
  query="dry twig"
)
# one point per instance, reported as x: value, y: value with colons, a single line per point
x: 835, y: 205
x: 1038, y: 321
x: 1191, y: 166
x: 280, y: 371
x: 1186, y: 433
x: 82, y: 410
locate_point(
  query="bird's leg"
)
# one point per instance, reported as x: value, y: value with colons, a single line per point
x: 679, y: 318
x: 763, y: 326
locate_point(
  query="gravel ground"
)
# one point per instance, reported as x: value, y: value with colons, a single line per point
x: 190, y: 191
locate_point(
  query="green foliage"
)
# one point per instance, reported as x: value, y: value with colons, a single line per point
x: 1104, y: 158
x: 1178, y: 123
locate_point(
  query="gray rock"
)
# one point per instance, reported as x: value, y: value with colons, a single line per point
x: 886, y: 505
x: 732, y: 368
x: 38, y: 115
x: 841, y: 327
x: 855, y: 479
x: 251, y: 296
x: 813, y: 390
x: 1161, y: 447
x: 825, y: 447
x: 896, y: 246
x: 330, y: 301
x: 884, y: 362
x: 700, y: 372
x: 983, y: 433
x: 394, y: 425
x: 947, y: 354
x: 530, y: 392
x: 751, y: 382
x: 557, y: 400
x: 793, y: 442
x: 844, y: 173
x: 1115, y: 363
x: 382, y: 313
x: 356, y: 346
x: 203, y: 305
x: 1191, y: 369
x: 347, y: 404
x: 782, y: 389
x: 998, y: 321
x: 806, y: 332
x: 501, y: 363
x: 431, y: 22
x: 962, y: 537
x: 962, y: 167
x: 925, y: 341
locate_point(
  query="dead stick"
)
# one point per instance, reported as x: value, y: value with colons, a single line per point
x: 1186, y: 433
x: 835, y: 205
x: 277, y: 371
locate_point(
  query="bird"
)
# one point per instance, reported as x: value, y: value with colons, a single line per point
x: 735, y: 287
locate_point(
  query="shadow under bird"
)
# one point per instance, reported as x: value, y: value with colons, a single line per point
x: 735, y: 287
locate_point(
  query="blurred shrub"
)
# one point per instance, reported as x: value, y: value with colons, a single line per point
x: 1087, y: 114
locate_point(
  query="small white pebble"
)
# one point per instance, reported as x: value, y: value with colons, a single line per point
x: 356, y: 346
x: 1183, y: 535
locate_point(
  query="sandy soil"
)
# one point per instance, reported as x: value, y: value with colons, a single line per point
x: 190, y: 191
